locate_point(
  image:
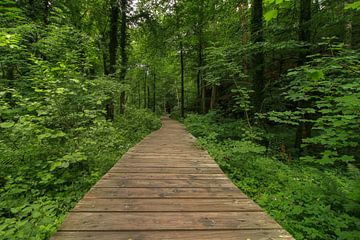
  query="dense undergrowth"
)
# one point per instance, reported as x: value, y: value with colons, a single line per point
x: 55, y: 138
x: 310, y: 201
x: 44, y: 177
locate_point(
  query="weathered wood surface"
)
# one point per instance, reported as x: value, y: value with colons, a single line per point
x: 166, y: 188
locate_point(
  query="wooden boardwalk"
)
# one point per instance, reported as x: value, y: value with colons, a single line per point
x: 166, y: 188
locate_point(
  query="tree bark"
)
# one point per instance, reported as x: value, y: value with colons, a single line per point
x: 113, y: 43
x: 148, y: 97
x: 154, y: 94
x: 47, y: 6
x: 124, y: 60
x: 257, y: 59
x: 245, y: 32
x: 139, y: 93
x: 304, y: 129
x: 213, y: 100
x: 304, y: 24
x: 182, y: 79
x: 203, y: 97
x: 182, y: 91
x: 200, y: 49
x: 145, y: 88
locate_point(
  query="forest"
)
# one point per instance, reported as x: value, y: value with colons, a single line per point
x: 270, y: 88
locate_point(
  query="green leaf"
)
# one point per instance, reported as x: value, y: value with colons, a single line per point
x: 7, y: 124
x: 355, y: 6
x: 269, y: 15
x: 315, y: 74
x: 60, y: 90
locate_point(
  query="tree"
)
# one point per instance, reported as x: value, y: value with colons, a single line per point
x: 304, y: 129
x: 123, y: 44
x: 113, y: 45
x: 257, y: 58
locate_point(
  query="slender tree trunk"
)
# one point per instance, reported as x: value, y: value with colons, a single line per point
x: 304, y: 24
x: 106, y: 70
x: 213, y: 100
x: 124, y: 59
x: 304, y: 129
x: 47, y: 6
x: 113, y: 43
x: 182, y: 92
x: 145, y: 88
x: 257, y: 60
x: 148, y: 97
x: 154, y: 94
x: 245, y: 32
x: 200, y: 49
x: 139, y: 94
x: 182, y: 79
x: 203, y: 97
x: 354, y: 28
x: 32, y: 9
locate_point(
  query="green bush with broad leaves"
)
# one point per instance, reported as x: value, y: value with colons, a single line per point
x: 326, y: 96
x: 310, y: 202
x: 55, y: 141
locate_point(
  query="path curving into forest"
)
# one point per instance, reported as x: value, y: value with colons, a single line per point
x: 166, y: 188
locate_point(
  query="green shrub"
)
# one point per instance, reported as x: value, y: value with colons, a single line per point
x: 310, y: 202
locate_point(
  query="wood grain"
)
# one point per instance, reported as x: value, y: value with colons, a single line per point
x: 110, y: 221
x: 166, y: 205
x: 276, y: 234
x: 164, y: 193
x: 181, y: 183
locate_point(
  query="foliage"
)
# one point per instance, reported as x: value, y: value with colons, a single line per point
x: 55, y: 142
x: 284, y: 124
x: 326, y: 91
x: 311, y: 203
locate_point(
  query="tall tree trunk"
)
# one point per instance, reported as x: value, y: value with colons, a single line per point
x: 148, y: 97
x: 244, y: 6
x: 182, y: 91
x: 304, y: 129
x: 257, y: 59
x: 139, y: 94
x: 145, y: 88
x: 113, y: 43
x: 154, y: 94
x: 354, y: 30
x: 213, y: 100
x: 124, y: 60
x: 304, y: 24
x: 182, y: 79
x: 200, y: 49
x: 203, y: 97
x: 47, y: 6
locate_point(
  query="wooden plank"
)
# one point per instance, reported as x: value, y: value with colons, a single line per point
x: 181, y: 183
x: 117, y: 221
x: 166, y: 205
x: 129, y: 164
x: 165, y: 193
x: 160, y: 176
x: 173, y: 157
x: 167, y: 160
x: 172, y: 153
x: 275, y: 234
x: 164, y: 170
